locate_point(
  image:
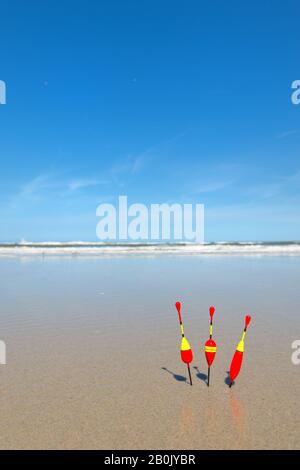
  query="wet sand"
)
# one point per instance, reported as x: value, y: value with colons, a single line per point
x: 93, y: 353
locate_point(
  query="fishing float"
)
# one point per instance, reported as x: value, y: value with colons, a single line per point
x: 210, y: 348
x: 237, y: 359
x: 185, y: 348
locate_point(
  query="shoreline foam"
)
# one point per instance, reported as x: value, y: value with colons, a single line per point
x: 100, y: 248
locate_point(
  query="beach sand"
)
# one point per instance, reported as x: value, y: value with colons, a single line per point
x: 93, y: 352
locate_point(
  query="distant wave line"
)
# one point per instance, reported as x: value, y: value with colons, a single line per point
x: 100, y: 248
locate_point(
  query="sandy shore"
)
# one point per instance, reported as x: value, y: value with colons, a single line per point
x: 93, y: 353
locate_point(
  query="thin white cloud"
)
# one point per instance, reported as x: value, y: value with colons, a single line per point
x: 123, y: 170
x: 77, y: 184
x: 295, y: 178
x: 283, y: 185
x: 285, y: 134
x: 254, y: 211
x: 46, y: 182
x: 213, y: 186
x: 45, y: 185
x: 37, y: 184
x: 140, y: 161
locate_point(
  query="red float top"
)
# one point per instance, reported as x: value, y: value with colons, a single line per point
x: 247, y: 320
x: 178, y: 307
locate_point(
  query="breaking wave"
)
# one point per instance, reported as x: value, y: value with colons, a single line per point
x: 101, y: 248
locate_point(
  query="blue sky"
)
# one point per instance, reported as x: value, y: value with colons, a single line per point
x: 164, y: 101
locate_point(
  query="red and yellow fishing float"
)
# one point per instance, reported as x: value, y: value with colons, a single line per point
x: 237, y: 359
x: 185, y: 349
x: 210, y: 345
